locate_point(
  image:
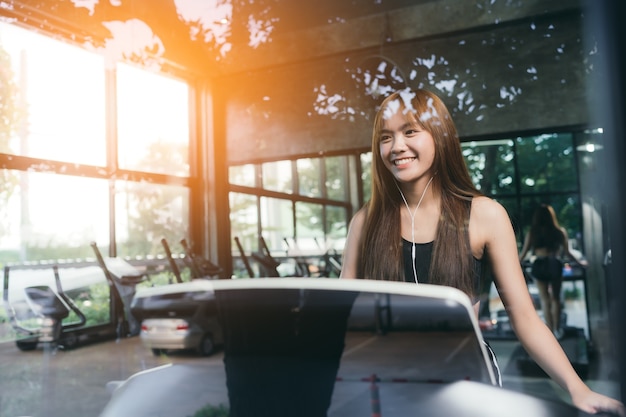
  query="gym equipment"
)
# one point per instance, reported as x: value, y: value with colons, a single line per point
x: 200, y: 267
x: 308, y: 347
x: 123, y: 279
x: 47, y: 308
x: 50, y: 307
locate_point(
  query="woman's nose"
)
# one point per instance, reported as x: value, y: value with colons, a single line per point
x: 398, y: 144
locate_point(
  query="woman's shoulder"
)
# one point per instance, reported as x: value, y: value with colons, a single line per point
x: 487, y: 211
x: 486, y: 205
x: 359, y: 218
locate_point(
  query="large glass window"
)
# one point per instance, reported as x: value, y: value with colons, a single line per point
x: 335, y: 177
x: 366, y: 175
x: 61, y: 98
x: 276, y: 221
x: 58, y: 122
x: 277, y: 176
x: 336, y: 227
x: 318, y: 224
x: 491, y: 165
x: 153, y: 122
x: 244, y: 220
x: 309, y: 177
x: 547, y: 164
x: 526, y: 172
x: 242, y: 175
x: 309, y: 223
x: 53, y: 216
x: 147, y: 213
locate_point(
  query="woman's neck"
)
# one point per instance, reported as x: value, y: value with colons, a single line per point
x: 419, y: 194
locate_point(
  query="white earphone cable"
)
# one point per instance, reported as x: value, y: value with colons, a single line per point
x: 412, y: 215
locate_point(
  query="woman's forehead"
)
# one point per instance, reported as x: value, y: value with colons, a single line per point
x: 394, y: 106
x: 398, y: 118
x: 404, y: 105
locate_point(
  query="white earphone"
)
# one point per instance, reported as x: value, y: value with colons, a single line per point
x: 412, y: 215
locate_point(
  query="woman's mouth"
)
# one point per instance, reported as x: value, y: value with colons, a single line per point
x: 403, y: 161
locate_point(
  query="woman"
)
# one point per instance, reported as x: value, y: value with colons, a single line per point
x: 547, y: 240
x: 427, y: 223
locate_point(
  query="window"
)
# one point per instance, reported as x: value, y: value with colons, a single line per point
x: 277, y: 176
x: 491, y: 165
x: 63, y: 184
x: 146, y: 213
x: 276, y: 221
x: 335, y: 177
x: 547, y: 164
x: 242, y: 175
x: 58, y: 215
x: 62, y: 98
x: 309, y: 177
x: 366, y: 175
x: 312, y: 221
x: 153, y: 122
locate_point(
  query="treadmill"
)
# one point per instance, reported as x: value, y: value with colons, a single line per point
x: 335, y: 348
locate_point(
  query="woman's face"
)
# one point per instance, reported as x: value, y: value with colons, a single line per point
x: 407, y: 150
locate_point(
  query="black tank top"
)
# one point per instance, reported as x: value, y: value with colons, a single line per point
x: 423, y: 255
x: 550, y: 239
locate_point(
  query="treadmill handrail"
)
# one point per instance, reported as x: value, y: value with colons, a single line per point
x: 70, y: 303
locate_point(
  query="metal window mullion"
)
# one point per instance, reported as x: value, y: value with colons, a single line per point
x: 110, y: 85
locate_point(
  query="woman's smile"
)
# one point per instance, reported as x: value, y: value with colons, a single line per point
x: 403, y: 161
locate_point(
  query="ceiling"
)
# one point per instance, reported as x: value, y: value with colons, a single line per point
x: 221, y: 37
x: 193, y: 34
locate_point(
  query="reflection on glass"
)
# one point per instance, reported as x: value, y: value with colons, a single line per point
x: 147, y: 213
x: 322, y: 352
x: 58, y: 216
x: 547, y: 163
x: 491, y: 165
x: 244, y: 227
x: 336, y: 229
x: 62, y: 108
x: 276, y: 221
x: 153, y: 122
x: 85, y: 287
x: 242, y: 175
x: 277, y: 176
x: 308, y: 177
x: 243, y: 220
x: 309, y: 224
x: 336, y: 172
x: 366, y: 175
x: 567, y: 208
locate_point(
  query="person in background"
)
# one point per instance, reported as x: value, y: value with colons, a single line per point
x: 427, y: 223
x: 548, y: 242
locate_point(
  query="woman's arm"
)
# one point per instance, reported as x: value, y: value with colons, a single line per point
x: 496, y: 233
x: 349, y: 263
x: 566, y: 250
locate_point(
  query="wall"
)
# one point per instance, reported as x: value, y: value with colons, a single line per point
x: 529, y: 74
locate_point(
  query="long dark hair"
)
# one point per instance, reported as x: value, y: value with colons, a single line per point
x: 381, y: 244
x: 545, y: 231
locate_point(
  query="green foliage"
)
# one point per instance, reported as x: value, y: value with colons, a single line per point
x: 93, y: 302
x: 524, y: 172
x: 55, y: 250
x: 157, y: 212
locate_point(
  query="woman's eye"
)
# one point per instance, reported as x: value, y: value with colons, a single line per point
x: 385, y: 138
x: 410, y: 132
